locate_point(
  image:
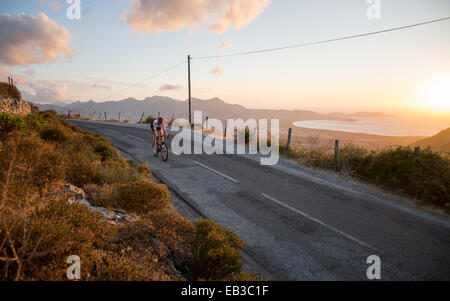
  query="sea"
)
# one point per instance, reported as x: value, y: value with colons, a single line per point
x: 386, y: 126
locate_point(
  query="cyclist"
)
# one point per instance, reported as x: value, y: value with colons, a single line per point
x: 158, y: 127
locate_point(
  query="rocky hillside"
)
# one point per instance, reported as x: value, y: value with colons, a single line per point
x: 14, y: 106
x: 11, y: 100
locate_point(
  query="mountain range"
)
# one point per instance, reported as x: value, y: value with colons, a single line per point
x: 132, y: 109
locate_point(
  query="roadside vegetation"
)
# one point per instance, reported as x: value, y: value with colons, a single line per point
x: 39, y: 228
x: 424, y: 176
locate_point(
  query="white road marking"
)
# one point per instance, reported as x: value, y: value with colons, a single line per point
x: 320, y: 222
x: 217, y: 172
x: 139, y: 139
x: 109, y: 130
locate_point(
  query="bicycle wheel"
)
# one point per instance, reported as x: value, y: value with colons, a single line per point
x: 164, y: 151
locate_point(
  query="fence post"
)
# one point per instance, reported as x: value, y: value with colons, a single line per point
x: 119, y: 116
x: 336, y: 148
x: 225, y: 130
x: 106, y: 117
x: 68, y: 114
x: 142, y: 117
x: 417, y: 149
x: 289, y: 139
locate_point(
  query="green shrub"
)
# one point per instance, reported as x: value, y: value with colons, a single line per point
x: 424, y: 175
x: 144, y: 170
x: 216, y: 251
x: 49, y: 115
x: 37, y: 162
x: 142, y: 197
x: 150, y: 119
x: 54, y: 134
x: 10, y: 123
x: 81, y: 171
x: 34, y: 122
x: 120, y: 171
x: 174, y: 230
x: 105, y: 151
x: 139, y: 198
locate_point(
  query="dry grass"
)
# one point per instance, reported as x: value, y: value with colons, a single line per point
x: 39, y: 229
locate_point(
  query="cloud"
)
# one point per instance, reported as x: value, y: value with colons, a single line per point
x: 28, y: 40
x: 82, y: 78
x: 100, y: 86
x: 30, y: 73
x: 153, y: 16
x: 46, y: 91
x: 169, y: 87
x: 217, y: 71
x: 54, y: 4
x: 225, y: 45
x: 6, y: 71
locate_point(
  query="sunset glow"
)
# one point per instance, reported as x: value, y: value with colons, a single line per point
x: 436, y: 95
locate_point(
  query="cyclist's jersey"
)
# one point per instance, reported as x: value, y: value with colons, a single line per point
x: 156, y: 125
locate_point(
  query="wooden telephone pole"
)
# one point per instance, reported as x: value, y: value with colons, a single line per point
x: 189, y: 88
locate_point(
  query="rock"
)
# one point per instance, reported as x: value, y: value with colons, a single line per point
x: 75, y: 191
x: 77, y: 196
x: 15, y: 106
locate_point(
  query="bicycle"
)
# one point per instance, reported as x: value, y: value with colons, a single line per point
x: 161, y: 148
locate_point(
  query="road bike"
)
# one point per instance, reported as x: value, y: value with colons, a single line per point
x: 161, y: 147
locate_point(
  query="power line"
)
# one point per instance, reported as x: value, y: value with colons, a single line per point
x: 321, y: 42
x: 136, y: 84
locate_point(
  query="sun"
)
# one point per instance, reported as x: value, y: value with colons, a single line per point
x: 436, y: 95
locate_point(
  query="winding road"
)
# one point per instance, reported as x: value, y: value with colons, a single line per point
x: 297, y: 224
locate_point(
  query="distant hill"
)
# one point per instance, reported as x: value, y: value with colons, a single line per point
x: 132, y: 109
x: 438, y: 143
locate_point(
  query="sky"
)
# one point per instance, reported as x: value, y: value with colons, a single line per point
x: 116, y: 44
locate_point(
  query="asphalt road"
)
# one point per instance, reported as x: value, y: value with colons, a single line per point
x: 298, y: 224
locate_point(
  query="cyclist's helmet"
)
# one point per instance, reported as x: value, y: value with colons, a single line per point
x: 160, y: 120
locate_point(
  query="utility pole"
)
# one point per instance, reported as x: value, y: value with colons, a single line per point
x: 189, y: 85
